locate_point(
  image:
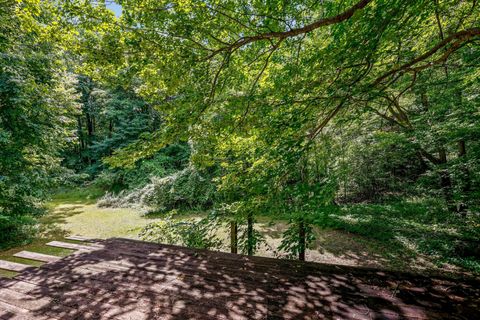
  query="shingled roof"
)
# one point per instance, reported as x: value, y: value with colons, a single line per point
x: 127, y: 279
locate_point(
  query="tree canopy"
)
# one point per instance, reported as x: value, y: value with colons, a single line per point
x: 282, y: 105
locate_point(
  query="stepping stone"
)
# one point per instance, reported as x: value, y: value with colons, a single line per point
x: 79, y: 238
x: 71, y: 246
x: 36, y: 256
x: 13, y: 266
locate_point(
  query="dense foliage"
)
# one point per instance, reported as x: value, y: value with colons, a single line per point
x: 302, y: 105
x: 289, y: 108
x: 37, y: 105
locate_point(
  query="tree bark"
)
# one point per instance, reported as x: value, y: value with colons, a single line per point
x: 233, y: 237
x: 250, y: 240
x: 89, y: 126
x: 462, y: 152
x: 347, y: 14
x: 302, y: 240
x: 80, y: 133
x: 445, y: 180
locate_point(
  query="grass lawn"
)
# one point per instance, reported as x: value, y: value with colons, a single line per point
x: 91, y: 221
x: 38, y: 245
x: 406, y: 238
x: 413, y: 235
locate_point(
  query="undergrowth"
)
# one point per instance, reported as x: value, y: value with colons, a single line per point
x: 413, y: 228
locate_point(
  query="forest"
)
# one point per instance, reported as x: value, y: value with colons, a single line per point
x: 360, y: 116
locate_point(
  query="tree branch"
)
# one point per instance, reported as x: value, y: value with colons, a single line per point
x: 325, y: 121
x: 293, y: 32
x: 458, y: 37
x: 257, y: 78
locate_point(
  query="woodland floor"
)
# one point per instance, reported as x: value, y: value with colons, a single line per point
x: 81, y: 216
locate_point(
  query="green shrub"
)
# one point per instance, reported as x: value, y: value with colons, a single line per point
x: 415, y: 227
x: 166, y: 162
x: 187, y: 189
x: 190, y: 233
x: 18, y: 229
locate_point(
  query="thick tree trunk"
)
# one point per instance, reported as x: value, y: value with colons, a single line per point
x: 250, y: 240
x: 301, y: 240
x: 233, y: 237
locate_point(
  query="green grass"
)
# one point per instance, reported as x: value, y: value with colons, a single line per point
x: 408, y: 236
x: 75, y: 212
x: 7, y: 273
x: 51, y: 227
x: 92, y: 221
x: 38, y: 245
x: 409, y: 230
x: 84, y: 195
x: 29, y: 262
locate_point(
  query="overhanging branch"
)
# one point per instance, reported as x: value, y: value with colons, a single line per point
x: 293, y: 32
x: 457, y: 38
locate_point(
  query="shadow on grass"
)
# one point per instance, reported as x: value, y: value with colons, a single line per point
x: 60, y: 214
x: 333, y: 246
x: 404, y: 237
x: 412, y: 235
x: 82, y: 195
x: 49, y: 229
x: 177, y: 214
x: 38, y: 245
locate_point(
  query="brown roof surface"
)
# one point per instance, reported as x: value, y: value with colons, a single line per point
x: 127, y: 279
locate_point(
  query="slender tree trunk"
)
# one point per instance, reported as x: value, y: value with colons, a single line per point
x: 301, y: 240
x: 90, y: 133
x: 110, y: 128
x: 233, y: 236
x: 89, y: 126
x: 445, y: 180
x: 250, y: 240
x: 462, y: 152
x: 425, y: 101
x: 80, y: 133
x: 423, y: 163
